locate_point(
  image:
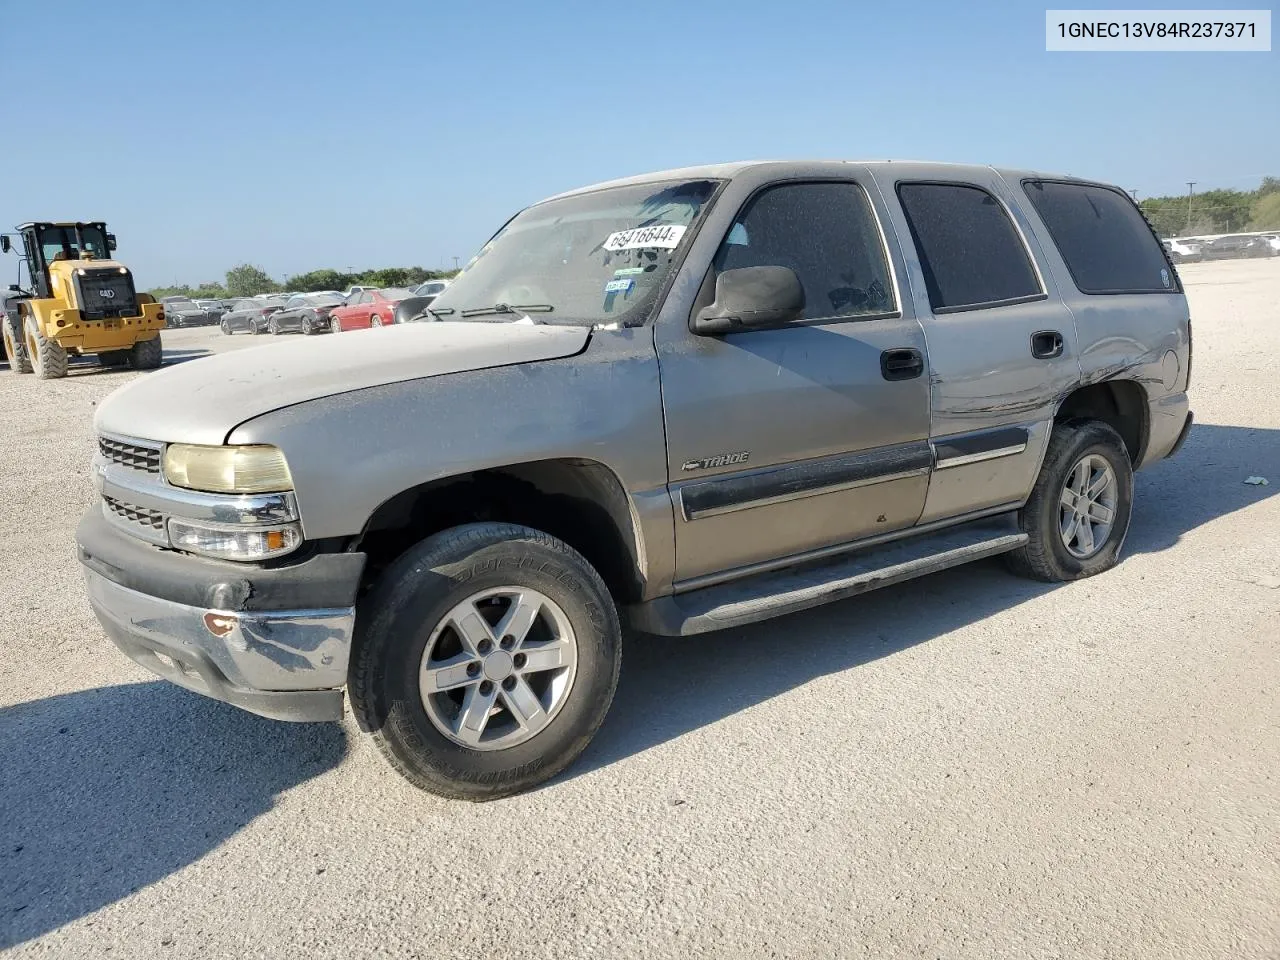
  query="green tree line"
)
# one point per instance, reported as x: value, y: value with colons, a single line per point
x: 247, y: 280
x: 1216, y: 211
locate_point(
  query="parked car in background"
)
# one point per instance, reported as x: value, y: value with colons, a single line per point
x: 1237, y: 246
x: 185, y: 312
x: 1184, y: 251
x: 1273, y: 240
x: 371, y: 308
x: 352, y: 291
x: 214, y: 308
x: 250, y: 315
x: 306, y: 313
x: 432, y: 288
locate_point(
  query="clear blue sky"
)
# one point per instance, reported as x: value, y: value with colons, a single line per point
x: 298, y: 135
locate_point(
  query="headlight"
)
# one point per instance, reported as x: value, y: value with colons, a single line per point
x: 234, y: 542
x: 251, y: 469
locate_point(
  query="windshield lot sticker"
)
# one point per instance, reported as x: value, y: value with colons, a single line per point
x: 619, y: 286
x: 665, y: 236
x: 629, y: 271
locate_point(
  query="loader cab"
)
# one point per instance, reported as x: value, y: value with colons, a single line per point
x: 46, y: 243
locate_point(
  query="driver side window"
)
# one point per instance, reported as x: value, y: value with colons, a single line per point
x: 827, y: 234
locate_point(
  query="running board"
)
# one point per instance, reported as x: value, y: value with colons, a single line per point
x: 809, y: 585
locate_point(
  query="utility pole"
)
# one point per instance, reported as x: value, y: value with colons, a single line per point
x: 1191, y: 189
x: 455, y: 263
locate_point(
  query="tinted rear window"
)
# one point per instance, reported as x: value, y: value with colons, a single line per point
x: 970, y: 252
x: 1104, y: 240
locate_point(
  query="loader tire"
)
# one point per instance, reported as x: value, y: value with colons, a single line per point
x: 48, y: 357
x: 146, y: 354
x: 15, y: 346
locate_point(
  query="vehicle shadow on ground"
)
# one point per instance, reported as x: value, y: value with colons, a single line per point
x: 106, y: 791
x: 674, y: 685
x: 89, y: 366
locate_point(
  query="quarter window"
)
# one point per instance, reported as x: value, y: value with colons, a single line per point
x: 1104, y: 240
x: 970, y: 252
x: 827, y: 234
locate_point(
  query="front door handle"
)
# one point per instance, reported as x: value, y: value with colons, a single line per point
x: 905, y: 363
x: 1046, y: 345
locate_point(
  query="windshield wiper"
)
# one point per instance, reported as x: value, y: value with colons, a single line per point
x: 503, y: 308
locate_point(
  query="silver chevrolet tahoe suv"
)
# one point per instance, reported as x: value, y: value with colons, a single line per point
x: 674, y: 403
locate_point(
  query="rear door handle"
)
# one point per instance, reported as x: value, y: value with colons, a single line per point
x: 1046, y: 345
x: 902, y: 364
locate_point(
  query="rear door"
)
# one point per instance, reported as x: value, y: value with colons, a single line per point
x: 1002, y: 345
x: 782, y: 442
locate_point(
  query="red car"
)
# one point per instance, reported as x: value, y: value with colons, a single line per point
x: 370, y: 308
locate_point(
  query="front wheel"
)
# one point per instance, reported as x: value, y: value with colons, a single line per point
x: 226, y: 328
x: 486, y: 660
x: 48, y: 357
x: 1078, y: 513
x: 375, y: 321
x: 273, y: 328
x: 335, y: 325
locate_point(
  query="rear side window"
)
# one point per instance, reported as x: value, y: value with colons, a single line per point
x: 970, y: 252
x: 1104, y: 240
x: 827, y: 233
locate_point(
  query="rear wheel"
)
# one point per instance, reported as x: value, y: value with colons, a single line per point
x: 48, y: 357
x: 146, y: 354
x: 1078, y: 512
x: 487, y: 658
x: 15, y: 345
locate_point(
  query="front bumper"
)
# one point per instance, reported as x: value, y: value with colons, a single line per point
x: 269, y: 663
x: 275, y: 641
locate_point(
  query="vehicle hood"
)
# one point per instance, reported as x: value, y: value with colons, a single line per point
x: 202, y: 401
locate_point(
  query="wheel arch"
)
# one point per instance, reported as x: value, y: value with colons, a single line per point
x: 1122, y: 404
x: 580, y: 501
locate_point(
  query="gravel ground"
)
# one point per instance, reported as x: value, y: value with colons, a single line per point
x: 966, y: 766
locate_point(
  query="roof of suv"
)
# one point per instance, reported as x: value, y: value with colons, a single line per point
x: 726, y: 171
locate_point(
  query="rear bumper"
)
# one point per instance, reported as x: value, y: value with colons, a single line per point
x: 1169, y: 419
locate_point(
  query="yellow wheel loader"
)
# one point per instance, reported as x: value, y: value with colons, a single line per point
x: 81, y: 302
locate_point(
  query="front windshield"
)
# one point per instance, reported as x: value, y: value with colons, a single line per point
x: 60, y: 243
x: 597, y: 257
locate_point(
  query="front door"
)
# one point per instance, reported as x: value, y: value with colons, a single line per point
x: 781, y: 442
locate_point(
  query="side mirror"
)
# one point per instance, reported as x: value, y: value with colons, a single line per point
x: 412, y: 309
x: 15, y: 288
x: 5, y: 245
x: 111, y: 241
x: 751, y: 298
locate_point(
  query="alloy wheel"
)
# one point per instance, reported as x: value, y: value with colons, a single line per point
x: 498, y: 668
x: 1088, y: 506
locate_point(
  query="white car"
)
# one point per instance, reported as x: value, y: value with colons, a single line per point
x: 1184, y: 251
x: 432, y: 288
x: 1274, y: 240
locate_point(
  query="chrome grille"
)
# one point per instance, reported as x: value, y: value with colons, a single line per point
x: 130, y: 455
x: 143, y: 516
